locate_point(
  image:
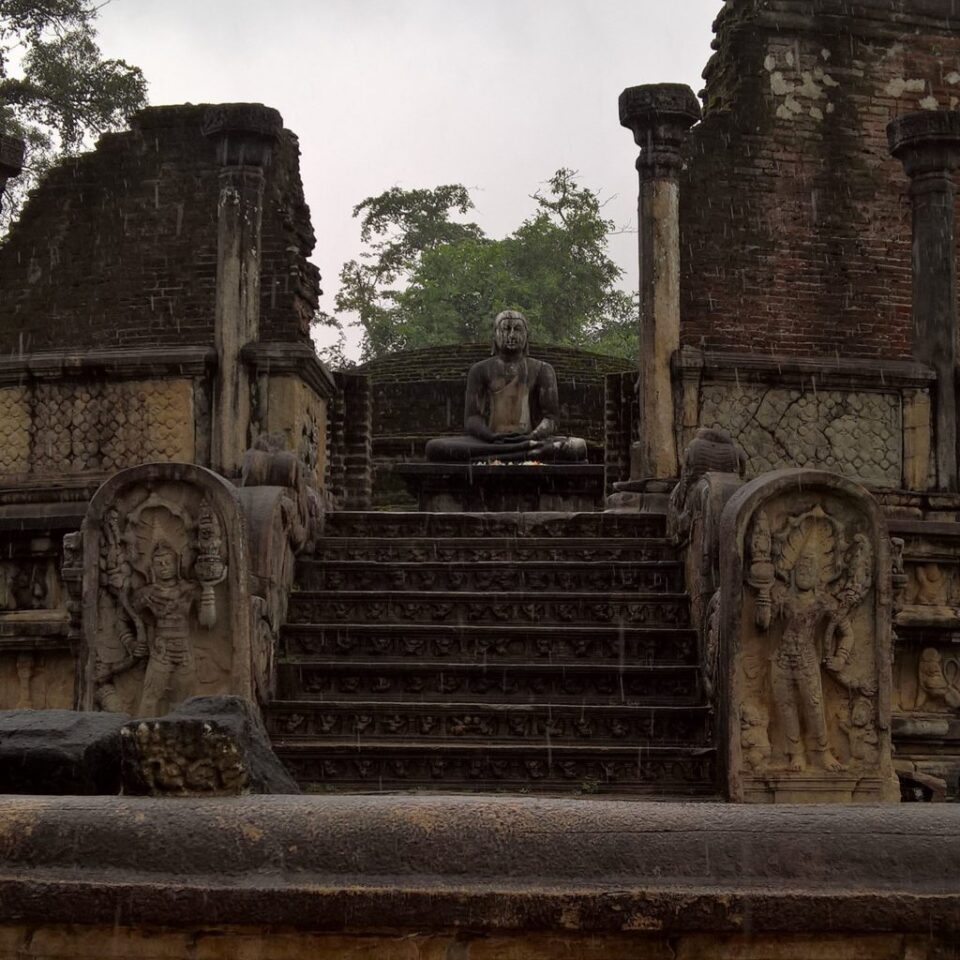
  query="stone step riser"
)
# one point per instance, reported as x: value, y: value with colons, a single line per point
x: 493, y: 551
x: 458, y: 682
x: 441, y: 525
x: 596, y: 578
x: 452, y: 608
x: 548, y: 649
x: 484, y: 723
x: 636, y: 771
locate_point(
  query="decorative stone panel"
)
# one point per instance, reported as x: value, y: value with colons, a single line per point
x: 805, y: 641
x: 854, y: 433
x: 166, y: 612
x: 50, y: 429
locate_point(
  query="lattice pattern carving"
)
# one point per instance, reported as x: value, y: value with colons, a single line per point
x: 855, y: 434
x: 57, y: 428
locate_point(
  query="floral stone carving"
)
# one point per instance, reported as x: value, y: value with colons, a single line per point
x: 805, y: 641
x: 166, y: 613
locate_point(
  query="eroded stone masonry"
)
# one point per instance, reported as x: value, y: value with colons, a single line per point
x: 731, y: 574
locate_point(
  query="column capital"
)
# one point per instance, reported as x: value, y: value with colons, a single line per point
x: 659, y: 114
x: 245, y: 132
x: 926, y: 142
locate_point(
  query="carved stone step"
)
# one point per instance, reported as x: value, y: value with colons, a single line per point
x: 493, y: 549
x: 377, y: 766
x: 415, y: 524
x: 599, y: 577
x: 542, y: 724
x: 612, y: 609
x: 550, y: 646
x: 425, y: 681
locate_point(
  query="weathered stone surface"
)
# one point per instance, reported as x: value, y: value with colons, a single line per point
x: 855, y: 434
x: 59, y: 752
x: 488, y: 864
x: 208, y: 746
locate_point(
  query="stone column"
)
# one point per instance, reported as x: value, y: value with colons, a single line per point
x: 245, y: 134
x: 659, y: 116
x: 11, y: 161
x: 928, y: 144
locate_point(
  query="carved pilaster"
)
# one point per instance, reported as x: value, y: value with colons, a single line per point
x: 659, y: 116
x: 245, y: 134
x: 928, y: 144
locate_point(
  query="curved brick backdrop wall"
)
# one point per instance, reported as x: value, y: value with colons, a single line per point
x: 795, y: 223
x: 117, y: 247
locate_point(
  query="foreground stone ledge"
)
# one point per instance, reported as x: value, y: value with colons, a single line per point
x: 493, y: 864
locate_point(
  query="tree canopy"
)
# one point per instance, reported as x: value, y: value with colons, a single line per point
x: 426, y: 279
x: 56, y: 89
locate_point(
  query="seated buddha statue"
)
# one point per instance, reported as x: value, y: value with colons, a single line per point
x: 511, y: 406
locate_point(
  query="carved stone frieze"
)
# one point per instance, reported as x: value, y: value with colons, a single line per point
x: 651, y: 771
x: 592, y: 644
x: 166, y: 612
x: 491, y: 551
x: 501, y: 576
x: 358, y: 607
x: 806, y: 641
x: 569, y: 724
x: 857, y: 434
x: 609, y: 685
x: 56, y: 428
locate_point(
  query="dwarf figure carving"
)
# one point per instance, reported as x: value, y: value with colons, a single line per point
x: 937, y: 688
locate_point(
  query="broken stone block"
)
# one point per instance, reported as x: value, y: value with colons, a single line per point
x: 214, y: 746
x: 60, y: 752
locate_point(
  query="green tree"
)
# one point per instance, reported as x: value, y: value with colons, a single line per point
x: 426, y: 279
x: 56, y: 89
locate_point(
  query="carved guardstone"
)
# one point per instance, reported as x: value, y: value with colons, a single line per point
x: 805, y: 642
x: 166, y: 613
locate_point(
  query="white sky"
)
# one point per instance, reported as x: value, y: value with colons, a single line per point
x: 495, y: 94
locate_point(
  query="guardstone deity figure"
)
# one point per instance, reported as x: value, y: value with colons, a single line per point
x: 159, y: 566
x: 167, y: 601
x: 511, y: 406
x: 811, y: 587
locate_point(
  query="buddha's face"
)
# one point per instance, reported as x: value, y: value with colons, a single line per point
x: 511, y: 333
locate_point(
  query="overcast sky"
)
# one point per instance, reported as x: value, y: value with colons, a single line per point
x: 495, y: 94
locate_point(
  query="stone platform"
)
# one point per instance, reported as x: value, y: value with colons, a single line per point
x: 597, y: 880
x: 469, y: 487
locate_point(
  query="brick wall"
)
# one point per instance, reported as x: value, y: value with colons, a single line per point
x: 795, y: 224
x: 118, y: 246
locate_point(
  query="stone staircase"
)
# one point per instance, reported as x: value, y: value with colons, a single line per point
x: 515, y: 652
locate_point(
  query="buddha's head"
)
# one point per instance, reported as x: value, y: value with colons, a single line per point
x: 510, y: 333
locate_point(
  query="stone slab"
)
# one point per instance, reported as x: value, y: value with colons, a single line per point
x: 59, y: 752
x: 481, y: 863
